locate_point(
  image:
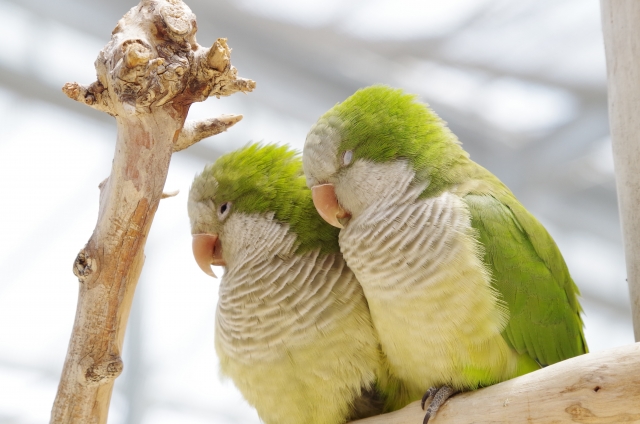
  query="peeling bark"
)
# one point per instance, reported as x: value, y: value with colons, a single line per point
x: 148, y: 75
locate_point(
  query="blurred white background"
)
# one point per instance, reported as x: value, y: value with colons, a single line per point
x: 521, y: 83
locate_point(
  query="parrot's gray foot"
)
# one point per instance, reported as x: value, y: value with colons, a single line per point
x: 440, y: 395
x: 429, y: 393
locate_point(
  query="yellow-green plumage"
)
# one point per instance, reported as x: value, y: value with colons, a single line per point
x: 293, y: 329
x: 532, y: 277
x: 465, y: 287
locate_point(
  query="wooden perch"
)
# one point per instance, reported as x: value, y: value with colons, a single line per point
x: 148, y: 75
x: 621, y: 30
x: 601, y: 387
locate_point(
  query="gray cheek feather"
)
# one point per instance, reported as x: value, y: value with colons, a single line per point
x: 200, y: 206
x: 202, y: 215
x: 365, y: 183
x: 255, y: 237
x: 319, y: 157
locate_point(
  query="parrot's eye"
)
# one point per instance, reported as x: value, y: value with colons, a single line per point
x: 347, y: 157
x: 224, y: 209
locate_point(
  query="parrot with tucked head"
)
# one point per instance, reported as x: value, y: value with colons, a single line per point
x: 292, y: 329
x: 465, y: 287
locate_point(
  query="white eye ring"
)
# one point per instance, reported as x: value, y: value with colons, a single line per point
x: 223, y: 210
x: 347, y: 156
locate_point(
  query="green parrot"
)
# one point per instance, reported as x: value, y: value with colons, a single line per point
x: 465, y: 287
x: 293, y: 329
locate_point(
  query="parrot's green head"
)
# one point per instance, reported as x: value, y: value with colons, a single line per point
x: 251, y: 200
x: 368, y: 146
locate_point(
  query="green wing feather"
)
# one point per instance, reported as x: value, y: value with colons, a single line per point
x: 530, y: 273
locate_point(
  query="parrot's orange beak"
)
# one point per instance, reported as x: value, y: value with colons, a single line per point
x: 207, y: 250
x: 326, y: 203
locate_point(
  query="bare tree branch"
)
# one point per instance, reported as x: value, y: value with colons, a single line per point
x: 194, y: 131
x: 149, y: 74
x: 168, y: 194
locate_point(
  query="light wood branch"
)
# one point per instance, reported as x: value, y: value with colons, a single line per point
x: 621, y: 30
x: 168, y: 194
x: 601, y: 387
x: 194, y: 131
x: 149, y: 74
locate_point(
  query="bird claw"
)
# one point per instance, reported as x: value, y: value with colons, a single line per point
x: 429, y: 393
x: 440, y: 396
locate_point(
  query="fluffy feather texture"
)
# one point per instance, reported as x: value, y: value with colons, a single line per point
x: 293, y: 329
x: 441, y: 247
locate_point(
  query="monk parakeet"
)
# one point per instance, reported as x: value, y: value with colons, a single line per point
x: 292, y: 329
x: 465, y: 287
